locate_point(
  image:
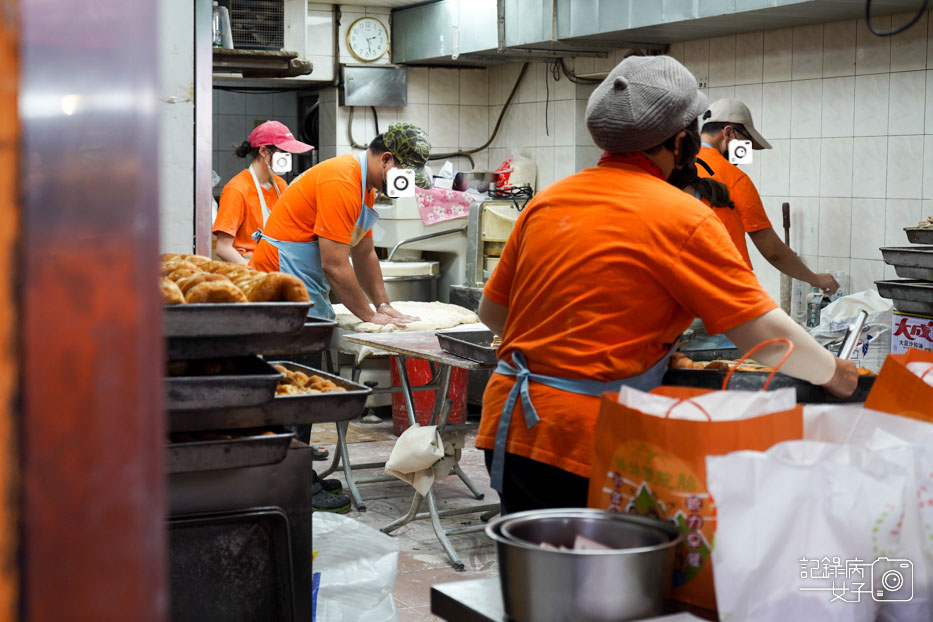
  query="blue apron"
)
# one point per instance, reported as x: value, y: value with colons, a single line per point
x: 646, y: 381
x: 303, y: 259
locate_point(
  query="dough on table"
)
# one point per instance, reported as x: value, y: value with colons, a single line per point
x: 434, y: 316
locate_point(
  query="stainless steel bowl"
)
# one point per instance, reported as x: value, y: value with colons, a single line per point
x: 478, y: 180
x: 628, y: 582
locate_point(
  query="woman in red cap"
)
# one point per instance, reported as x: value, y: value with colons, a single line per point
x: 249, y: 197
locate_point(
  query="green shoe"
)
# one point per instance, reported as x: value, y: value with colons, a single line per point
x: 332, y: 486
x: 322, y: 501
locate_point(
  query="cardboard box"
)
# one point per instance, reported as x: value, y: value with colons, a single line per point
x: 911, y: 331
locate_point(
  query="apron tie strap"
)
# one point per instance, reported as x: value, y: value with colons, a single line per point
x: 520, y: 388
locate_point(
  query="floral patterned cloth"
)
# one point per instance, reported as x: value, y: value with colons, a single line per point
x: 437, y: 204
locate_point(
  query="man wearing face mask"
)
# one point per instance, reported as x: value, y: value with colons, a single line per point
x: 602, y: 273
x: 248, y: 198
x: 325, y: 218
x: 725, y: 121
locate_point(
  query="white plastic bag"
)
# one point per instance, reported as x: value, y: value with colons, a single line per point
x: 720, y: 405
x: 874, y: 343
x: 353, y: 571
x: 909, y: 444
x: 800, y: 510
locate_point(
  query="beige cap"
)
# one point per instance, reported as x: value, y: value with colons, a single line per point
x: 734, y: 111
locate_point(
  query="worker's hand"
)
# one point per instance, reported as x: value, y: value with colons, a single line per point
x: 827, y: 283
x: 383, y: 319
x: 844, y: 380
x: 388, y: 310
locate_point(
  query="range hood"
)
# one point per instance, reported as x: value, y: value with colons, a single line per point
x: 467, y: 31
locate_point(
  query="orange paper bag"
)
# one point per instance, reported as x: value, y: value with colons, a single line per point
x: 656, y: 466
x: 900, y: 391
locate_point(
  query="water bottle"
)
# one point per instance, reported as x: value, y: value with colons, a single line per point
x: 814, y: 302
x: 223, y: 36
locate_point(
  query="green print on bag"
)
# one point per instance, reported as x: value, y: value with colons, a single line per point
x: 648, y: 481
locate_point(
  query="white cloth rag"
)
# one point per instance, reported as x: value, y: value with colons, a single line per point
x: 420, y: 455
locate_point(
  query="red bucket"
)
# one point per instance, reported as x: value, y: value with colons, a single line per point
x: 419, y: 374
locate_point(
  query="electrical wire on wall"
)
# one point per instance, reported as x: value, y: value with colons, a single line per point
x: 894, y: 31
x: 463, y: 153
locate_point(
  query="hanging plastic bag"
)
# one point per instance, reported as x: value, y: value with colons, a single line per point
x: 353, y: 571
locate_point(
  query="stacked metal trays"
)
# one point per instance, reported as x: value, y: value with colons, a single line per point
x: 235, y: 329
x: 237, y: 382
x: 913, y: 292
x: 248, y: 450
x: 282, y: 409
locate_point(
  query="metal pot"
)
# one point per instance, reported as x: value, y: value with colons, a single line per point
x: 478, y: 180
x: 628, y: 582
x: 417, y: 288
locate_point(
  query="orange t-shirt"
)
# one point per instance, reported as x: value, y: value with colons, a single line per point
x: 324, y: 202
x: 239, y: 213
x: 602, y: 273
x: 748, y: 206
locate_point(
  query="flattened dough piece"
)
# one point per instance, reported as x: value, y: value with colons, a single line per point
x: 434, y: 316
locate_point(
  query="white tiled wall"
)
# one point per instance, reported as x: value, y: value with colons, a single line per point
x: 235, y: 115
x: 850, y: 116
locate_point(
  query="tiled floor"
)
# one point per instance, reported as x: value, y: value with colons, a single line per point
x: 422, y: 562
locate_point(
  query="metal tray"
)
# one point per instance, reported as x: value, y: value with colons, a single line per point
x: 318, y: 407
x: 754, y: 381
x: 233, y: 319
x: 917, y: 235
x: 245, y: 381
x: 281, y: 410
x: 908, y: 296
x: 231, y: 566
x: 235, y: 453
x: 473, y: 345
x: 910, y: 262
x: 314, y: 335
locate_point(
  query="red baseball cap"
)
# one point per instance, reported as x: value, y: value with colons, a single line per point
x: 276, y: 134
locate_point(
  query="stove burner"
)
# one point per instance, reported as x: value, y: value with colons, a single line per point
x: 515, y: 193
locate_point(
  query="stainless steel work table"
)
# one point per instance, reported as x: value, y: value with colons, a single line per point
x: 480, y: 600
x: 423, y: 345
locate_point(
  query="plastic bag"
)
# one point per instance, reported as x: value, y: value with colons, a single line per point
x: 353, y: 571
x: 793, y: 521
x: 517, y: 170
x: 874, y: 344
x: 909, y: 444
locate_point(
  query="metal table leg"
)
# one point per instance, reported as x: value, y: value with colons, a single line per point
x: 442, y: 407
x: 441, y: 534
x: 466, y: 480
x: 347, y: 469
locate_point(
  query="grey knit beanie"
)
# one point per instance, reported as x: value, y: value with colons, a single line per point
x: 642, y: 102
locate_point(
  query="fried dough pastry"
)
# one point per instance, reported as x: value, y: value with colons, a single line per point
x: 170, y: 266
x: 196, y: 279
x: 214, y: 291
x: 275, y: 287
x: 171, y: 294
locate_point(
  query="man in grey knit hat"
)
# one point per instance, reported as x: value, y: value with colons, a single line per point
x: 602, y: 273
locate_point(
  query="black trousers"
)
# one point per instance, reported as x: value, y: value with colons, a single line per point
x: 531, y: 485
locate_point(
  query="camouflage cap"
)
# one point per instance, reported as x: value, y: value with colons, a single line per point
x: 409, y: 146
